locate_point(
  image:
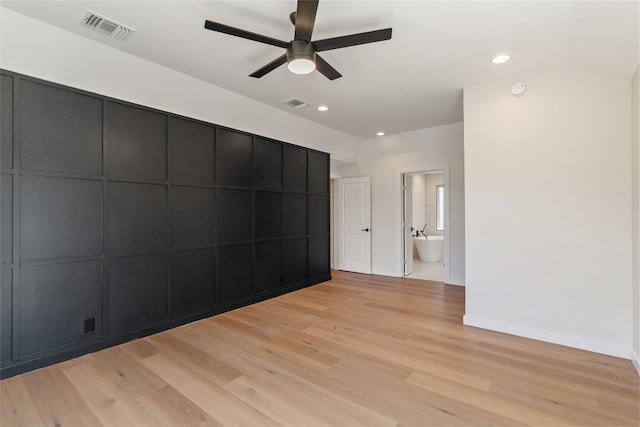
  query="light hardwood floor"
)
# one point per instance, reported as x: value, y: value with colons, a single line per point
x: 356, y: 351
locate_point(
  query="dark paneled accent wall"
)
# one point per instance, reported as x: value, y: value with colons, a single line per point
x: 118, y: 221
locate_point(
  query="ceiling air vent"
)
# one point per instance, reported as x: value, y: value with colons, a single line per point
x: 295, y: 103
x: 106, y: 26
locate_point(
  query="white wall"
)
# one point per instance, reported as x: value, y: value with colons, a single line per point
x: 635, y: 196
x: 547, y: 184
x: 385, y: 159
x: 37, y: 49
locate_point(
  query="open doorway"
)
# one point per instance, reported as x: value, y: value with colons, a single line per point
x: 424, y: 224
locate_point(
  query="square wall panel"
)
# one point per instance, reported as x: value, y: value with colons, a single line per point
x: 318, y: 256
x: 137, y: 293
x: 268, y: 215
x: 137, y: 142
x: 192, y: 216
x: 318, y: 214
x: 318, y: 172
x: 269, y: 265
x: 234, y: 215
x: 61, y: 130
x: 295, y: 260
x: 234, y: 152
x: 268, y: 169
x: 60, y: 218
x: 6, y: 217
x: 193, y: 283
x: 6, y: 121
x: 137, y: 218
x: 295, y: 214
x: 55, y: 300
x: 191, y: 152
x: 236, y: 272
x: 295, y: 168
x: 6, y: 314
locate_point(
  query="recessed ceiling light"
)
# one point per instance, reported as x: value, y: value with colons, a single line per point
x: 323, y: 108
x: 380, y: 134
x: 500, y: 59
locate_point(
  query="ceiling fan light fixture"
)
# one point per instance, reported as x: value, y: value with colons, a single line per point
x: 301, y: 57
x: 301, y: 65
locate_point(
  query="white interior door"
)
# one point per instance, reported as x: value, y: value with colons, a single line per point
x: 407, y: 222
x: 353, y: 200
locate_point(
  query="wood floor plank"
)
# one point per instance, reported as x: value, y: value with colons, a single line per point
x: 194, y: 358
x: 140, y: 349
x: 557, y: 405
x: 390, y: 397
x: 18, y: 408
x: 282, y: 315
x: 110, y: 403
x: 174, y: 409
x: 221, y: 405
x: 226, y: 345
x: 56, y: 400
x: 282, y: 393
x: 127, y: 372
x: 305, y: 351
x: 358, y: 350
x: 256, y: 394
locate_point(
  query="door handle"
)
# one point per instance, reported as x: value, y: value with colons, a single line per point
x: 365, y: 229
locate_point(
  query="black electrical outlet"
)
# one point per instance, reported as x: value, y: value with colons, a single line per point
x: 90, y: 324
x: 280, y: 278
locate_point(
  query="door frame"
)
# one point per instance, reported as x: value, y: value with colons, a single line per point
x: 444, y: 167
x: 407, y: 214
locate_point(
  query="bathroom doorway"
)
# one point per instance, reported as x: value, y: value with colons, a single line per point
x: 424, y: 224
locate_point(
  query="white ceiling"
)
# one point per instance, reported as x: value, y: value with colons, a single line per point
x: 412, y: 81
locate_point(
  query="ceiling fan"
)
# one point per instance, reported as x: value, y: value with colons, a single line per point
x: 301, y: 56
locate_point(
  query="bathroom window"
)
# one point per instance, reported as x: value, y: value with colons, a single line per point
x: 440, y: 207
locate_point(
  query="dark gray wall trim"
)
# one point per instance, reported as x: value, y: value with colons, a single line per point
x: 120, y: 221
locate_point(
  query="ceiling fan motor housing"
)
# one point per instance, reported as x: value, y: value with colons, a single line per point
x: 301, y: 49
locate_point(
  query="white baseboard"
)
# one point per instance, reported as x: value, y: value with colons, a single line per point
x: 635, y: 359
x: 548, y: 336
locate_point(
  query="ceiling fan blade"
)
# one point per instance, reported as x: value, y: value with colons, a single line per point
x: 352, y: 40
x: 232, y: 31
x: 305, y: 19
x: 269, y: 67
x: 326, y: 69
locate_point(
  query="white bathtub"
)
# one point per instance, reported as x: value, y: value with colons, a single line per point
x: 430, y: 248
